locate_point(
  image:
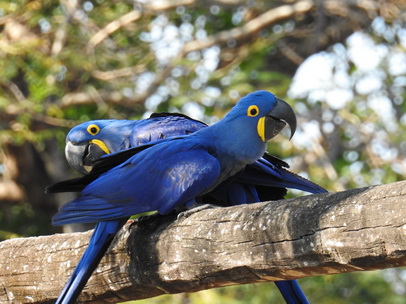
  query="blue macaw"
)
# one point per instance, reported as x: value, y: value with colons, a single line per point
x: 210, y: 157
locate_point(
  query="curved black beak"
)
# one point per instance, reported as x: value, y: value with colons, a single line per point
x: 82, y: 156
x: 74, y: 155
x: 276, y: 119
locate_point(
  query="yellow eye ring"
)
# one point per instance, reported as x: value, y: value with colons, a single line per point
x: 93, y: 129
x: 252, y: 111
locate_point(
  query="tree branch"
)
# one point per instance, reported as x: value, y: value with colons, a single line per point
x: 113, y: 27
x: 354, y: 230
x: 252, y: 27
x: 89, y: 97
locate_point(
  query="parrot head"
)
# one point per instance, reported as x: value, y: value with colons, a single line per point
x: 269, y: 113
x: 275, y: 120
x: 88, y: 141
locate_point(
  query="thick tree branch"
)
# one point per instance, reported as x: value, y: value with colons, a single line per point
x: 355, y: 230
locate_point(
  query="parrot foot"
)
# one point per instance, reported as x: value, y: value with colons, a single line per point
x: 195, y: 208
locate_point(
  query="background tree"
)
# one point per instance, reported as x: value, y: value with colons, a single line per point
x: 342, y: 64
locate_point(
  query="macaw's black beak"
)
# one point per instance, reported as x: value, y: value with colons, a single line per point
x: 270, y: 125
x: 81, y: 157
x: 74, y: 155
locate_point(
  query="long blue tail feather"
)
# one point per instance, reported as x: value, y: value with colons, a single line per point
x: 100, y: 241
x: 291, y: 292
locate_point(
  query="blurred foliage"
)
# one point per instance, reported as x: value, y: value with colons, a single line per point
x: 19, y: 220
x: 70, y: 61
x: 356, y: 109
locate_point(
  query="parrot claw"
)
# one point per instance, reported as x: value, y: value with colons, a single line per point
x: 131, y: 223
x: 196, y: 207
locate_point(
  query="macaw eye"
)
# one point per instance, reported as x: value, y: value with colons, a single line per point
x: 252, y: 111
x: 93, y: 129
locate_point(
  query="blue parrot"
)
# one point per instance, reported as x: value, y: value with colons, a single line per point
x: 184, y: 169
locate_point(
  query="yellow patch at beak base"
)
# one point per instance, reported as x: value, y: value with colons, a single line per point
x: 261, y: 128
x: 101, y: 145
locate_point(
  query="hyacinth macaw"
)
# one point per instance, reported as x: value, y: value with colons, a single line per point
x: 208, y: 157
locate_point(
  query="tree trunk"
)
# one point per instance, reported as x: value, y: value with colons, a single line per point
x: 354, y: 230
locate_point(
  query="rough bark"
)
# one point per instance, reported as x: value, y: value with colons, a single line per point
x: 354, y: 230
